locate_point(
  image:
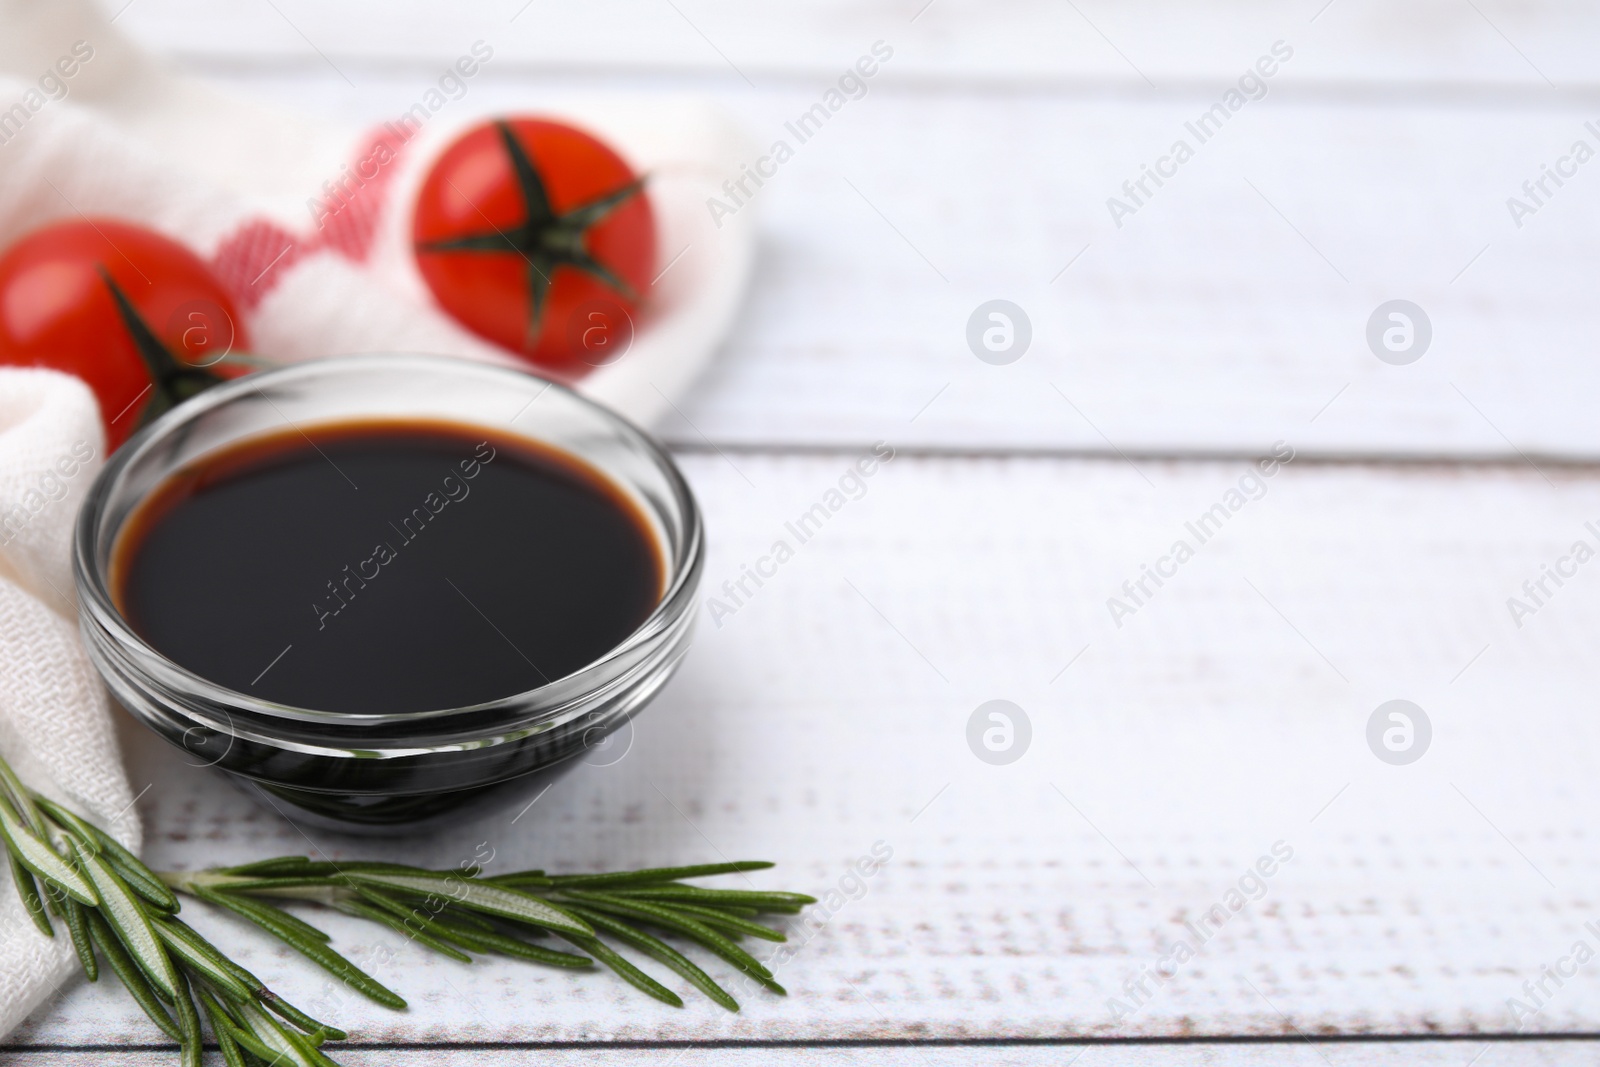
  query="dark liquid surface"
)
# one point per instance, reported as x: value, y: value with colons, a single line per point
x: 384, y: 567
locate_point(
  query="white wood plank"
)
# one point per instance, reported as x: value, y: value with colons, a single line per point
x: 1295, y: 1054
x: 1227, y: 313
x: 1132, y: 45
x: 1168, y: 754
x: 1206, y: 321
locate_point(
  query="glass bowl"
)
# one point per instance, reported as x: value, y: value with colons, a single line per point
x: 375, y: 771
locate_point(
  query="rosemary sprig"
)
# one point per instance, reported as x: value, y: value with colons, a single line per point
x: 119, y: 912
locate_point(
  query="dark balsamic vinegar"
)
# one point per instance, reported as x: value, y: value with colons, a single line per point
x: 384, y: 567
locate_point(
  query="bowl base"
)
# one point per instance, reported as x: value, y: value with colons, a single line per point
x: 397, y: 815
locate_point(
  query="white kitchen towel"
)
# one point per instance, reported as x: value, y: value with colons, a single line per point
x: 55, y: 727
x: 318, y: 267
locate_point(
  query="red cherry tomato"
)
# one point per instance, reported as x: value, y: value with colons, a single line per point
x: 537, y: 236
x: 59, y: 309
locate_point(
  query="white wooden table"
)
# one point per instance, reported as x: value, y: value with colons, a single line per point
x: 1172, y: 745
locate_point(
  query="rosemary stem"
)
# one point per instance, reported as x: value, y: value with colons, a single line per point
x: 189, y: 881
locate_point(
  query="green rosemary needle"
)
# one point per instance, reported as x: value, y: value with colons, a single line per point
x: 119, y: 912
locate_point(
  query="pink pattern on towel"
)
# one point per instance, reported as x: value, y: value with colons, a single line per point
x: 252, y: 259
